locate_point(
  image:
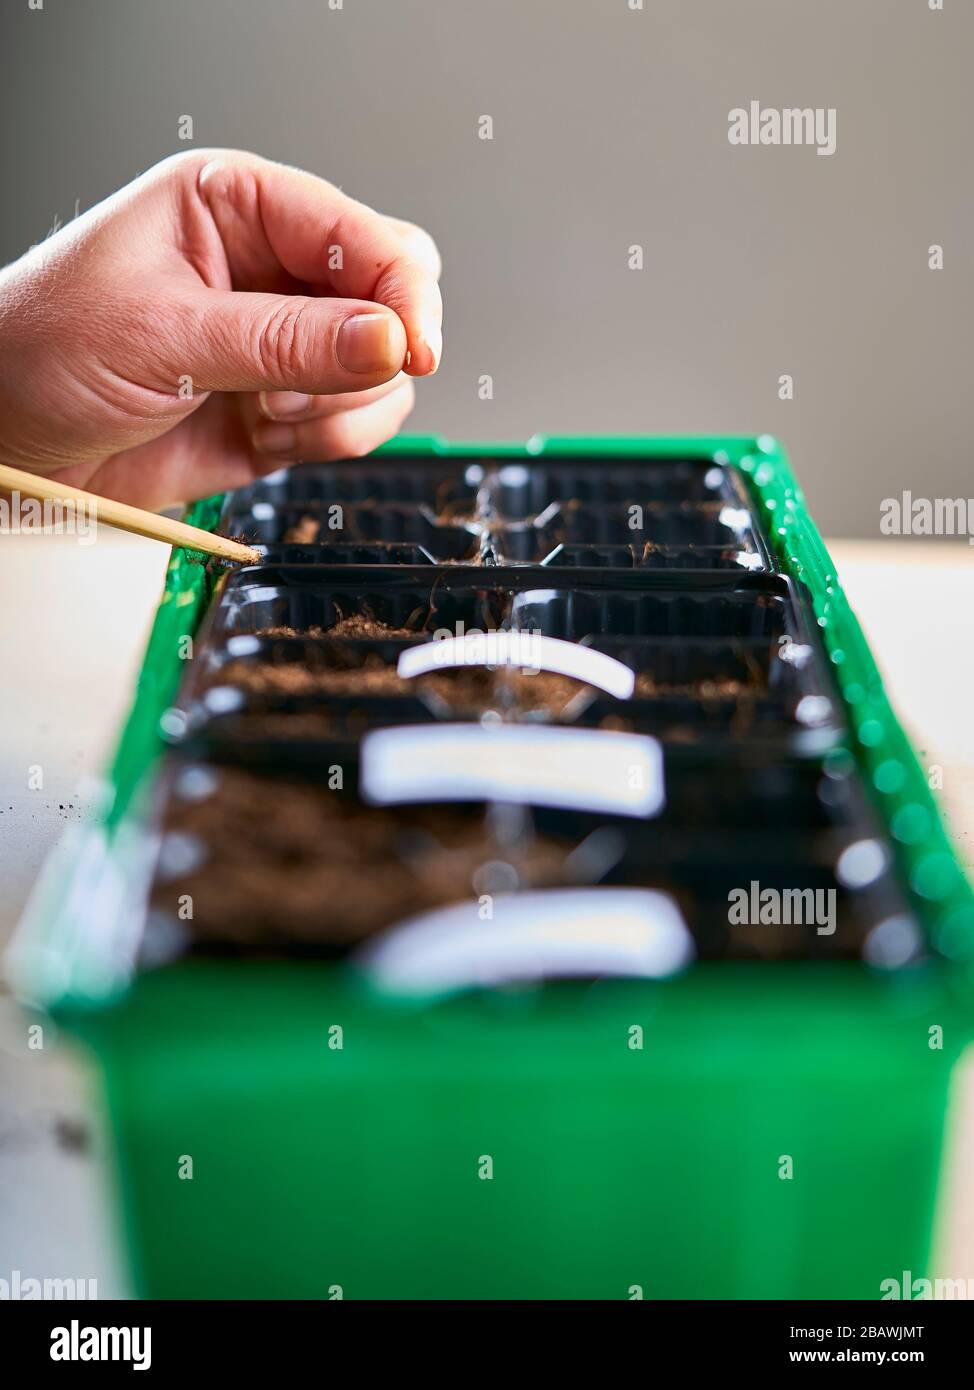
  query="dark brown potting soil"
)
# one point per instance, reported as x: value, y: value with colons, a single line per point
x: 281, y: 630
x: 355, y: 625
x: 364, y: 625
x: 289, y: 861
x: 465, y: 690
x: 472, y: 690
x: 720, y: 689
x: 462, y: 688
x: 543, y: 690
x: 267, y: 678
x: 314, y: 724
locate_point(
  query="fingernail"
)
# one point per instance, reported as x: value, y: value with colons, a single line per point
x: 366, y: 343
x: 275, y: 439
x: 276, y: 403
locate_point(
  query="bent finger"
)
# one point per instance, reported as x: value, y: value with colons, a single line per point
x: 419, y: 244
x: 296, y: 405
x: 348, y: 434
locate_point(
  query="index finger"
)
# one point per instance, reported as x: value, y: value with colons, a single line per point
x: 420, y: 246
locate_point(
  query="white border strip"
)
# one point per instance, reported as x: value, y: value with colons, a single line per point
x: 531, y: 651
x: 532, y: 936
x: 540, y: 765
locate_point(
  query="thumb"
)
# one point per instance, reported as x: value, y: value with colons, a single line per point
x: 226, y: 340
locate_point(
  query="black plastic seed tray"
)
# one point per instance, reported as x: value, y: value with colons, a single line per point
x: 712, y: 659
x: 530, y: 488
x: 247, y: 848
x: 399, y: 523
x: 439, y: 485
x: 369, y: 565
x: 315, y: 599
x: 347, y: 553
x: 686, y: 515
x: 519, y: 489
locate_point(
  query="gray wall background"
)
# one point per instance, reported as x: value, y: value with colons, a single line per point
x: 610, y: 128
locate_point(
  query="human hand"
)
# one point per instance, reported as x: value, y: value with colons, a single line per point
x: 212, y: 321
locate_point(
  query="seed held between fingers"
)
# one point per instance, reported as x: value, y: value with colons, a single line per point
x: 432, y: 336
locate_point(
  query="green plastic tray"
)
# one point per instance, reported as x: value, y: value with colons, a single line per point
x: 616, y: 1171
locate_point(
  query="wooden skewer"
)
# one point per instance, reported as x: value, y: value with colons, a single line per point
x: 126, y: 518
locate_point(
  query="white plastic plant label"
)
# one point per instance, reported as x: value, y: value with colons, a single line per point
x: 528, y: 651
x: 557, y: 934
x: 568, y: 768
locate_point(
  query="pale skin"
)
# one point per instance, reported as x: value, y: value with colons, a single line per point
x: 219, y: 318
